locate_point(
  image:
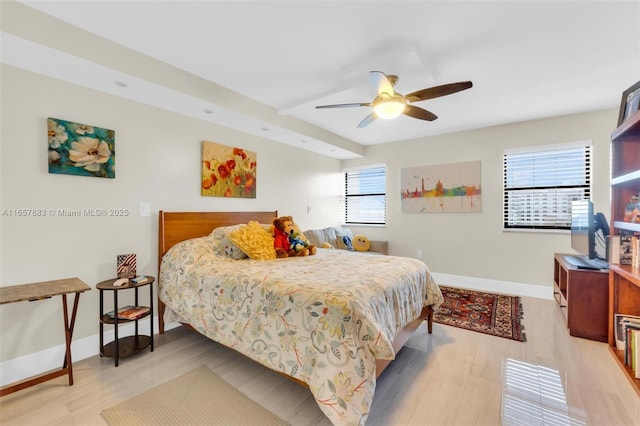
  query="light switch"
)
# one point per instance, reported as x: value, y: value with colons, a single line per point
x: 145, y: 209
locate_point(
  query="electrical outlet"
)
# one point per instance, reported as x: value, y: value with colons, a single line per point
x: 145, y: 209
x: 419, y: 254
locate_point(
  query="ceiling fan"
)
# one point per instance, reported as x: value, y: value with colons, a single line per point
x: 390, y: 104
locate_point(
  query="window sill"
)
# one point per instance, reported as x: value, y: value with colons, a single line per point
x: 538, y: 231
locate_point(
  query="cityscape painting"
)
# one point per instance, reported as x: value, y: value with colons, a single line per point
x: 442, y: 188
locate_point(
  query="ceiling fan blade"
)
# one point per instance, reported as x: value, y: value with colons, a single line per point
x: 367, y: 120
x: 344, y: 105
x: 437, y: 91
x: 382, y: 84
x: 419, y: 113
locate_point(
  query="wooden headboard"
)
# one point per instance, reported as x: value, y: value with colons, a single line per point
x: 174, y: 227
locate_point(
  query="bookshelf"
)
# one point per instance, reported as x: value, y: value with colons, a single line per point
x: 624, y: 281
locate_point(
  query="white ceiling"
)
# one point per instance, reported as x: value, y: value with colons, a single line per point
x: 526, y: 59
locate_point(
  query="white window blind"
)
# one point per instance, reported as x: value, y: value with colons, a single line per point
x: 365, y: 196
x: 540, y: 184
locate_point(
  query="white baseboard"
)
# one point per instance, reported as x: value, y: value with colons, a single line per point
x: 504, y: 287
x: 21, y: 368
x: 24, y: 367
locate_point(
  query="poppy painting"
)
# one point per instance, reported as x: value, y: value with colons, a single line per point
x: 228, y: 171
x: 80, y: 149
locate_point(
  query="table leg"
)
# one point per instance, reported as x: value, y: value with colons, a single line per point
x: 101, y: 324
x: 151, y: 316
x: 68, y: 332
x: 136, y: 304
x: 67, y: 366
x: 115, y: 327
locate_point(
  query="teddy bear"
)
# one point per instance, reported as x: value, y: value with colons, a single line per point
x: 288, y: 242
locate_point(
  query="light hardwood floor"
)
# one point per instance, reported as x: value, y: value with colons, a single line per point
x: 452, y: 377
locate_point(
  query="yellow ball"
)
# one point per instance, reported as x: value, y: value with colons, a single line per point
x: 361, y: 243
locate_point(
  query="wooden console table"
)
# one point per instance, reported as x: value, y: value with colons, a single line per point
x: 46, y: 290
x: 583, y: 298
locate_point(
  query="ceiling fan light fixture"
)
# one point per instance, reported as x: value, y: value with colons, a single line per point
x: 389, y: 104
x: 389, y: 109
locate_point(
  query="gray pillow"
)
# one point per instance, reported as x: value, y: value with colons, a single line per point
x: 222, y: 244
x: 318, y: 236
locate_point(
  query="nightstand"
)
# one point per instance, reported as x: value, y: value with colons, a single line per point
x: 122, y: 347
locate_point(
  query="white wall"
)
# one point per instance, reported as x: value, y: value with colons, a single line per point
x: 474, y: 244
x: 158, y: 158
x: 158, y: 161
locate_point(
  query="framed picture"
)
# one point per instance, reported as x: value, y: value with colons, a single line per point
x: 228, y: 171
x: 441, y: 188
x: 80, y: 149
x: 630, y: 103
x: 126, y: 265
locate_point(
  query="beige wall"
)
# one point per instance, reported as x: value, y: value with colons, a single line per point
x: 158, y: 161
x: 474, y: 244
x: 158, y: 157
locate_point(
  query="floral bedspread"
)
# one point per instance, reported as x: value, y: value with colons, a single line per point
x: 322, y: 319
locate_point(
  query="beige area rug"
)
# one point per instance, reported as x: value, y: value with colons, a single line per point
x: 199, y: 397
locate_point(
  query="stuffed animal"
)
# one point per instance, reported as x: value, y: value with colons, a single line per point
x: 288, y: 241
x: 361, y: 243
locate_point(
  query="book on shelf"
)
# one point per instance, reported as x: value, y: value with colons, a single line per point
x: 629, y: 342
x: 620, y: 321
x: 632, y: 343
x: 130, y: 312
x: 613, y: 249
x: 637, y: 354
x: 140, y: 279
x: 626, y: 253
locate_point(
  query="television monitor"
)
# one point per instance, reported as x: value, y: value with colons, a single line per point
x: 589, y: 230
x: 582, y: 229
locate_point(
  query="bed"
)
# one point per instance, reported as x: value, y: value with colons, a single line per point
x: 332, y: 321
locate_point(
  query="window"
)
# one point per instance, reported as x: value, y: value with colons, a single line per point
x: 541, y: 182
x: 365, y: 195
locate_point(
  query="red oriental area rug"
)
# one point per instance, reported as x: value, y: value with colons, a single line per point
x: 495, y: 314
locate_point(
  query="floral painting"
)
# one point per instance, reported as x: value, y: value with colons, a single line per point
x: 442, y: 188
x: 81, y: 149
x: 228, y: 171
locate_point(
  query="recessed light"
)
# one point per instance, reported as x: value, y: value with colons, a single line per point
x: 264, y: 129
x: 121, y: 84
x: 207, y: 111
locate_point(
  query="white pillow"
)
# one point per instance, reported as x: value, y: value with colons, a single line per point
x: 317, y: 237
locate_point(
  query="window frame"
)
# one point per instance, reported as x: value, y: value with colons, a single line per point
x: 562, y: 194
x: 357, y: 170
